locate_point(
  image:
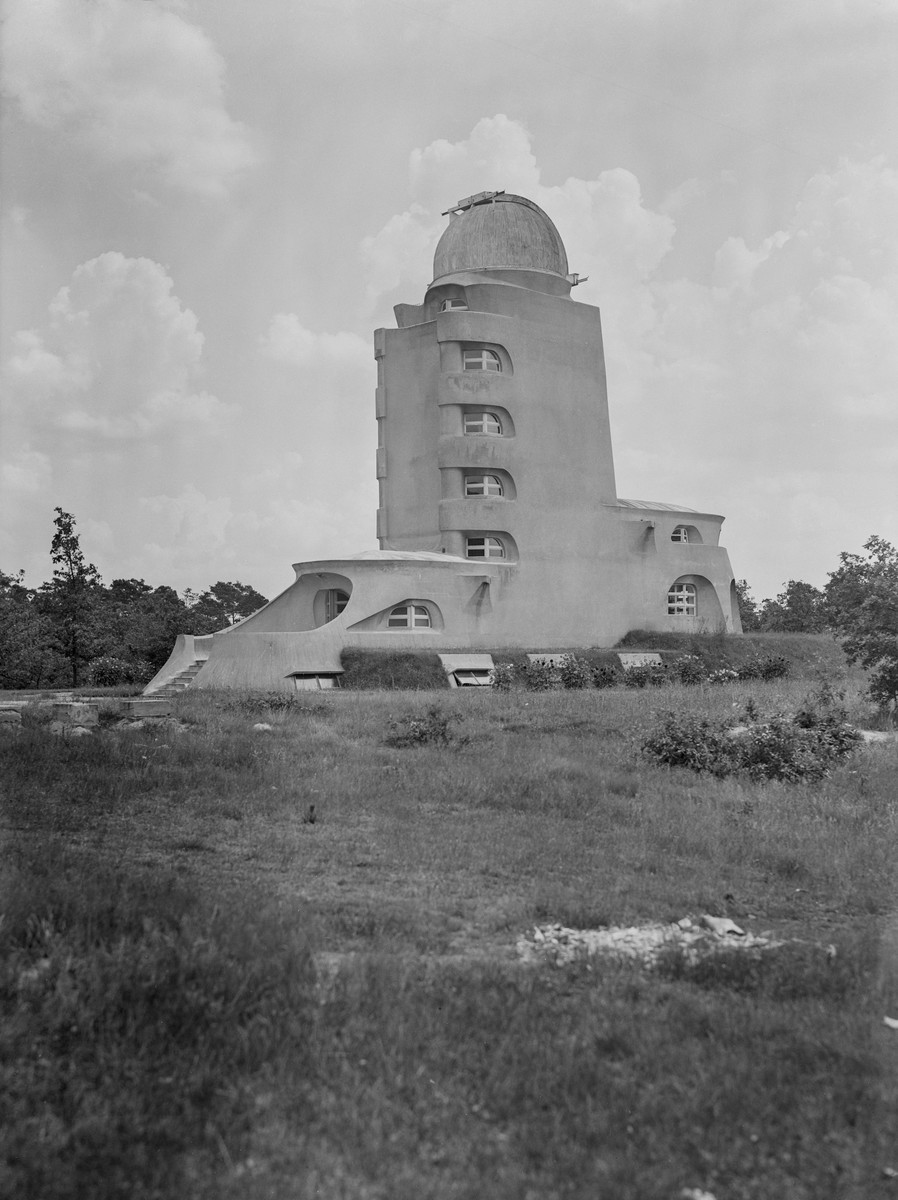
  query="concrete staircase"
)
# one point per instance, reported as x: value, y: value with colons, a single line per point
x: 179, y: 683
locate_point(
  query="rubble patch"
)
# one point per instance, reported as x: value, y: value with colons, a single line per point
x: 695, y: 937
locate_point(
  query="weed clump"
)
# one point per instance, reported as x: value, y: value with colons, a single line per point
x: 575, y: 673
x: 433, y: 729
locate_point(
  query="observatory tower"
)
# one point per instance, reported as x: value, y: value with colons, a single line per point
x: 498, y: 521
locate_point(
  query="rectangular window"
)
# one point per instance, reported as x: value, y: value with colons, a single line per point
x: 481, y: 359
x: 482, y: 485
x: 484, y: 547
x: 483, y: 422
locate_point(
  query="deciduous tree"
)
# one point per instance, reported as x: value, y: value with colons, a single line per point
x: 862, y: 603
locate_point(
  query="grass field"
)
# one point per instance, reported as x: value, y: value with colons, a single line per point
x: 206, y: 993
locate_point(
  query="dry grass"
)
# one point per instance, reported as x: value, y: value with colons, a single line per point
x: 182, y: 866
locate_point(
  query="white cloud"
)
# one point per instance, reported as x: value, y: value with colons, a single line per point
x: 602, y: 221
x: 119, y: 357
x: 133, y: 81
x: 288, y: 341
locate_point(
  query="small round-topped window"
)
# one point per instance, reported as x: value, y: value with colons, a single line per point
x: 479, y: 358
x: 483, y: 485
x: 453, y: 302
x: 483, y: 422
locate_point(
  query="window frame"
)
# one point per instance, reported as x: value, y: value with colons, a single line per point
x: 682, y: 600
x: 476, y: 358
x: 453, y: 304
x: 487, y: 491
x: 683, y: 530
x: 417, y: 616
x: 485, y: 416
x: 489, y: 544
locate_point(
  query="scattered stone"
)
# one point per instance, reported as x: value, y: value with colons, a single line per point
x: 722, y: 926
x: 889, y: 1173
x: 262, y: 727
x: 78, y: 731
x: 890, y: 1022
x: 695, y: 1194
x: 10, y: 716
x: 559, y: 944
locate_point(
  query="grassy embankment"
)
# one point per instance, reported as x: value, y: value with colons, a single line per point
x: 206, y: 995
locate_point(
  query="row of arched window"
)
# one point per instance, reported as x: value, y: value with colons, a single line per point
x: 681, y: 599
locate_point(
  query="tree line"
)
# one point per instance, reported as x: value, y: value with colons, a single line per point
x: 76, y: 630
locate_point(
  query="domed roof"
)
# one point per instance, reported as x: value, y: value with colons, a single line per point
x: 500, y: 231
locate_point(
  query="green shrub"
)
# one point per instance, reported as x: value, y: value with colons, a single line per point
x: 606, y: 676
x: 803, y: 747
x: 645, y: 675
x: 502, y: 676
x: 575, y: 673
x: 767, y: 667
x: 541, y: 677
x: 689, y: 668
x: 433, y: 729
x: 392, y: 670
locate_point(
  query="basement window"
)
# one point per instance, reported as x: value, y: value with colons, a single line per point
x: 484, y: 547
x: 473, y: 678
x: 315, y: 683
x: 681, y: 600
x: 478, y: 358
x: 409, y: 616
x: 483, y: 422
x: 483, y: 485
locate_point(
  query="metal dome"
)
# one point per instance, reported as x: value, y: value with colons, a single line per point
x: 495, y: 230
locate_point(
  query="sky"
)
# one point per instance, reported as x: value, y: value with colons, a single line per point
x: 209, y: 206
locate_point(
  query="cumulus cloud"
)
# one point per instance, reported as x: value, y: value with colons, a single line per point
x: 287, y: 340
x: 602, y: 220
x: 119, y: 357
x: 133, y: 81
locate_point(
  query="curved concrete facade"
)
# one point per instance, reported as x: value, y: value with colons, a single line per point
x: 498, y: 520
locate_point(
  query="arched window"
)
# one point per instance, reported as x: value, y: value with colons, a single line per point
x: 680, y: 534
x: 409, y: 616
x: 681, y: 600
x: 483, y: 485
x: 484, y: 547
x: 483, y: 422
x: 478, y: 358
x: 453, y: 302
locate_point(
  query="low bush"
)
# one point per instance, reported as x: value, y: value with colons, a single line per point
x: 575, y: 673
x: 502, y: 676
x: 392, y: 670
x: 789, y: 748
x: 646, y: 675
x: 433, y: 729
x: 766, y: 667
x: 541, y: 677
x: 689, y: 668
x: 606, y: 676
